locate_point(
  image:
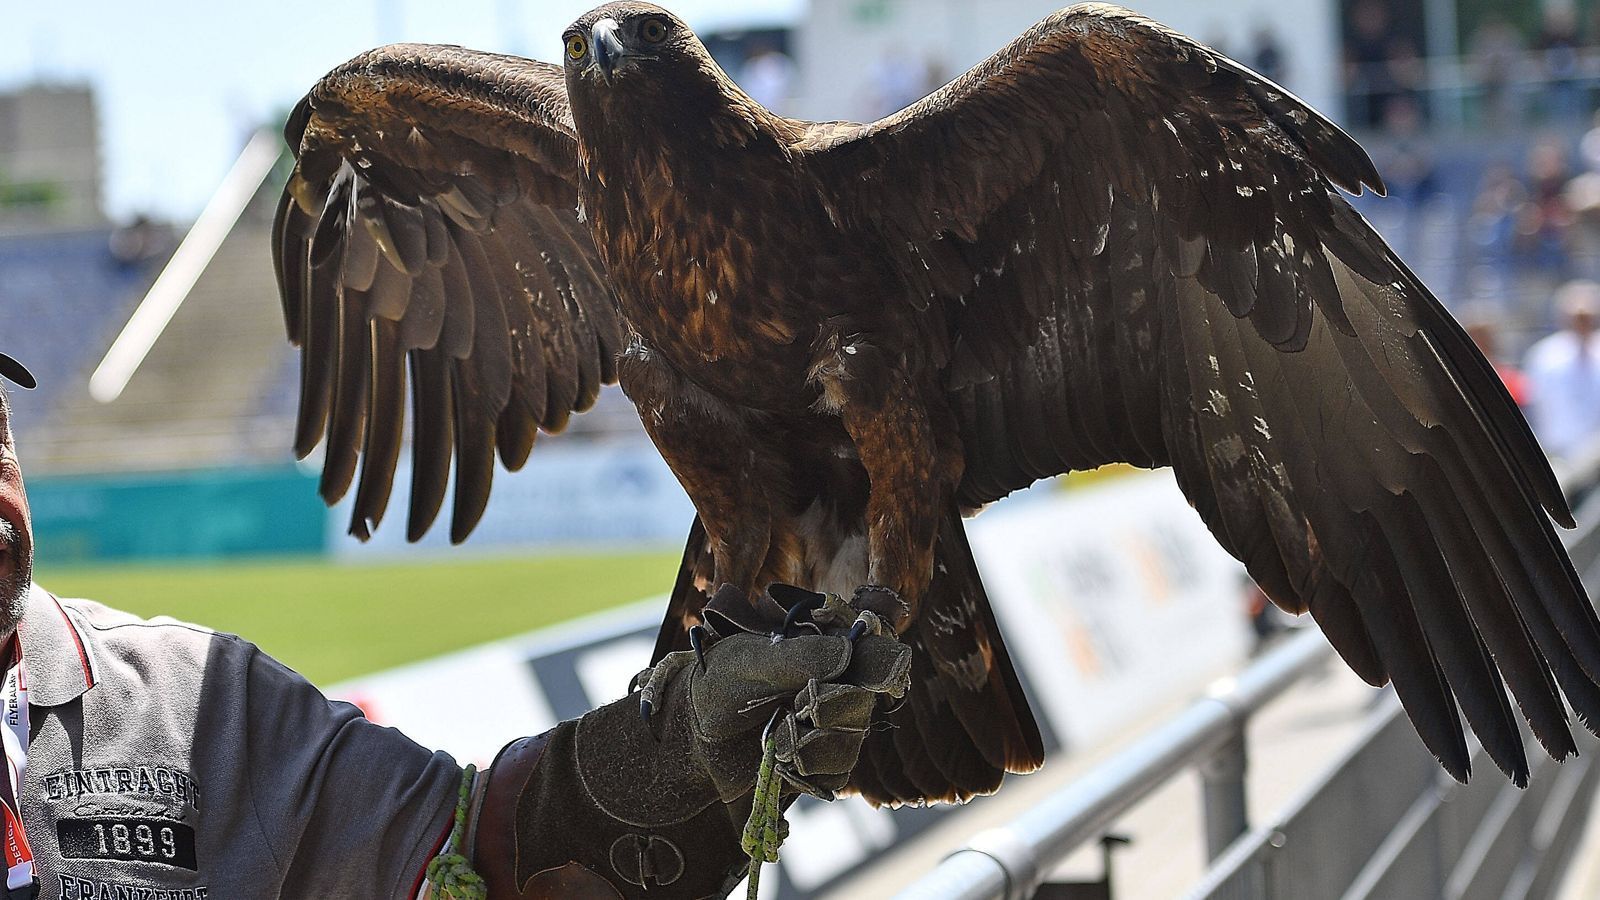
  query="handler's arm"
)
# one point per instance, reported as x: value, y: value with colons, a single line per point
x: 346, y: 808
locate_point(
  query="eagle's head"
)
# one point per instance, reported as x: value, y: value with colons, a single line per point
x: 629, y: 43
x: 638, y: 76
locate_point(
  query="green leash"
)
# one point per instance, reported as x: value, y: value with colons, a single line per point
x: 761, y: 837
x: 450, y: 875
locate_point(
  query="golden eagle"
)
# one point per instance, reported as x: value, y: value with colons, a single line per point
x: 1106, y: 243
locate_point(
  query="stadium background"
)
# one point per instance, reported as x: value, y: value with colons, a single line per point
x: 179, y: 496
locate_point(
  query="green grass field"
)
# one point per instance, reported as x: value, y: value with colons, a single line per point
x: 332, y: 622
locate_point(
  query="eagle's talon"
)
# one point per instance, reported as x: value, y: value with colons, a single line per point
x: 656, y: 679
x: 867, y: 622
x: 809, y: 786
x: 639, y: 678
x: 697, y: 640
x: 810, y: 603
x: 772, y: 722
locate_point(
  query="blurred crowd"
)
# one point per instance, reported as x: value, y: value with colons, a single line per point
x: 1558, y: 384
x: 1492, y: 161
x: 1506, y: 75
x: 896, y: 79
x: 1536, y: 220
x: 1530, y: 285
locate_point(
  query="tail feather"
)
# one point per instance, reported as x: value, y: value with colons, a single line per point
x: 966, y: 711
x: 925, y: 752
x: 690, y: 592
x: 872, y: 775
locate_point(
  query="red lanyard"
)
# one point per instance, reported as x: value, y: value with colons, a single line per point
x: 14, y: 706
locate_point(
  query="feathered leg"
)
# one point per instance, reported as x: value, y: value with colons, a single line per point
x: 910, y: 472
x: 709, y: 446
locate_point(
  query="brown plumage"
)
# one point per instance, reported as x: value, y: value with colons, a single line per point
x: 1105, y: 243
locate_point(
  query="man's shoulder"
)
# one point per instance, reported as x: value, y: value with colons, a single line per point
x: 170, y: 655
x: 123, y: 634
x: 110, y: 620
x: 100, y: 616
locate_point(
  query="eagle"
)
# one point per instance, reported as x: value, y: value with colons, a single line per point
x: 1106, y: 243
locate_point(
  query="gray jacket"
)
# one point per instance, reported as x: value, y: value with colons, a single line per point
x: 170, y: 762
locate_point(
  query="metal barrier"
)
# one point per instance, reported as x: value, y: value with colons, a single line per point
x: 1011, y: 862
x: 1386, y: 822
x: 1419, y: 833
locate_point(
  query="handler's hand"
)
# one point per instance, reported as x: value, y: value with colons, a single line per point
x: 816, y: 692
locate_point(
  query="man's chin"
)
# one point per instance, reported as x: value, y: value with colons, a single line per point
x: 14, y: 586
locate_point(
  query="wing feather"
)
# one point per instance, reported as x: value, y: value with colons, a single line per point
x: 431, y: 215
x: 386, y: 421
x: 432, y: 438
x: 347, y: 417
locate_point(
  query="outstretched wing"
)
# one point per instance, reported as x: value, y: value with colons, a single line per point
x: 430, y: 225
x: 1148, y: 260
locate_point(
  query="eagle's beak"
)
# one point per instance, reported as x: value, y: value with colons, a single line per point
x: 606, y: 39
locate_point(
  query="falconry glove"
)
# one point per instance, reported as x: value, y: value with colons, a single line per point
x: 651, y: 793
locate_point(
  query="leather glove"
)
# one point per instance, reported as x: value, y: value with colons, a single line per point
x: 611, y: 805
x: 816, y: 692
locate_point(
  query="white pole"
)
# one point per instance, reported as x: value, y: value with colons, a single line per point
x: 183, y: 270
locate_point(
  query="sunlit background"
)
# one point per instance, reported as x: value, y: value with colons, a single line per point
x: 174, y: 490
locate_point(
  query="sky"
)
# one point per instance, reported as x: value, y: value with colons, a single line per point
x: 181, y: 83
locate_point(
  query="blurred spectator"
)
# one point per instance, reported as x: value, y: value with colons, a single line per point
x: 1557, y: 45
x: 1408, y: 72
x: 1564, y: 375
x: 935, y: 74
x: 1583, y: 199
x: 898, y: 80
x: 1492, y: 229
x: 1379, y: 66
x: 1266, y: 56
x: 139, y: 241
x: 1218, y: 41
x: 1495, y: 48
x: 1366, y: 51
x: 895, y: 82
x: 1542, y: 232
x: 768, y: 76
x: 1589, y: 145
x: 1406, y: 159
x: 1483, y: 326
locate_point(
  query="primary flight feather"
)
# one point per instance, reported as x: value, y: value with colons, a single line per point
x: 1105, y: 243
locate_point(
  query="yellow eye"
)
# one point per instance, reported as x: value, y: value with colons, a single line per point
x: 654, y: 31
x: 577, y: 46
